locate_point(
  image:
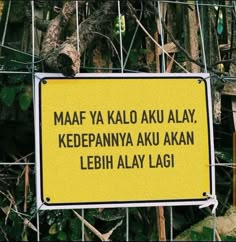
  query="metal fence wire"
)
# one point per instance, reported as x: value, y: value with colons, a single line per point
x: 35, y: 62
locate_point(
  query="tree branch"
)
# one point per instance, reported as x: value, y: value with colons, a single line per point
x: 51, y: 40
x: 65, y: 57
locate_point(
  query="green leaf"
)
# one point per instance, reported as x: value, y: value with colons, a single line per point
x: 24, y: 101
x: 195, y: 236
x: 24, y: 236
x: 208, y: 233
x: 225, y: 155
x: 62, y: 236
x: 53, y: 229
x: 142, y: 51
x: 133, y: 57
x: 110, y: 214
x: 229, y: 238
x: 7, y: 95
x: 119, y: 25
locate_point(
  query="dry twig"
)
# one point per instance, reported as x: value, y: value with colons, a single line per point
x: 102, y: 237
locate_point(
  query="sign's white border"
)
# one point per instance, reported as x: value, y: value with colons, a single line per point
x: 43, y: 206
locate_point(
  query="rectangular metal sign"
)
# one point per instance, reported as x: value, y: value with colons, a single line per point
x: 107, y: 140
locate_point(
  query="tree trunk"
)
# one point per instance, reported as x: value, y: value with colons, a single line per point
x: 212, y: 55
x: 191, y: 38
x: 232, y: 69
x: 210, y: 35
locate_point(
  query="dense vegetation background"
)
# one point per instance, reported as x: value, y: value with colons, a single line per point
x: 145, y: 27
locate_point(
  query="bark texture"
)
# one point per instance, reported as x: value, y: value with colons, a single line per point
x: 50, y: 45
x: 192, y: 39
x: 232, y: 69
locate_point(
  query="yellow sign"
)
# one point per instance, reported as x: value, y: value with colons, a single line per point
x: 120, y: 140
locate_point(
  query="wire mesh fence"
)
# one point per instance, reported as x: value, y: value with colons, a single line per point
x: 21, y: 57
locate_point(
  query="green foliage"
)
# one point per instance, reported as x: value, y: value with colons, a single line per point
x: 108, y: 214
x: 62, y: 236
x: 224, y: 155
x: 7, y: 95
x: 227, y: 238
x: 16, y: 117
x: 25, y: 101
x: 60, y: 225
x: 75, y: 228
x: 12, y: 203
x: 16, y: 90
x: 207, y: 235
x: 143, y: 224
x: 119, y: 25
